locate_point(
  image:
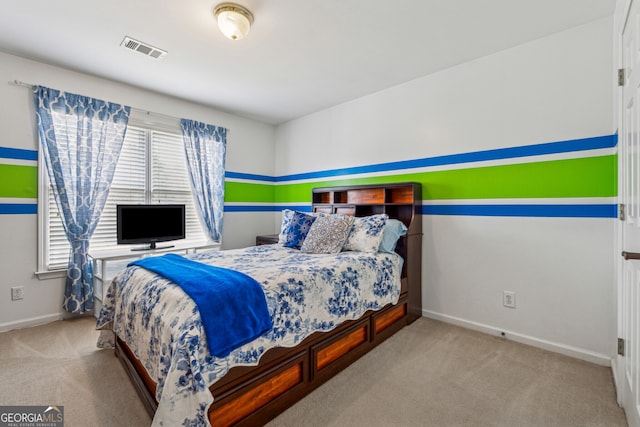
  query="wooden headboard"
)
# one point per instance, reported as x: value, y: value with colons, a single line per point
x: 401, y: 201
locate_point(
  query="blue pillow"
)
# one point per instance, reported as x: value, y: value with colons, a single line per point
x: 294, y: 233
x: 393, y: 230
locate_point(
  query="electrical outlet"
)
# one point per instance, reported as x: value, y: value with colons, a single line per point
x: 509, y: 299
x: 17, y: 292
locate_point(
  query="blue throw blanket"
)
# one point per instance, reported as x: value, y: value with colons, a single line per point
x: 232, y: 305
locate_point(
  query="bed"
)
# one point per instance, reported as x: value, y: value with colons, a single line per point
x: 326, y: 309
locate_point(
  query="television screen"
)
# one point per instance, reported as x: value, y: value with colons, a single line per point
x: 149, y: 224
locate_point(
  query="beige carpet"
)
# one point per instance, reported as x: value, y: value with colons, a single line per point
x: 429, y: 374
x: 59, y: 364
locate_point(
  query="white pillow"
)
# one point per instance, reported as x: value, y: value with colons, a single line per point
x: 366, y: 233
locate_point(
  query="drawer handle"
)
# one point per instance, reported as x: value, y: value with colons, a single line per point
x: 630, y: 255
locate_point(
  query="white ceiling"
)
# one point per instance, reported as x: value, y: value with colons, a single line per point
x: 301, y: 56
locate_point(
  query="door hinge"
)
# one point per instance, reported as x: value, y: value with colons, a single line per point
x: 621, y: 346
x: 621, y: 211
x: 621, y: 77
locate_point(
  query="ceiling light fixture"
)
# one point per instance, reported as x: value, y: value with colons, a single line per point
x: 234, y: 20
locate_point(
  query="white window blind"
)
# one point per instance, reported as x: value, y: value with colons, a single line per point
x: 152, y: 168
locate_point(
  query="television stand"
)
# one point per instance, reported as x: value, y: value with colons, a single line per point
x: 107, y: 263
x: 152, y: 246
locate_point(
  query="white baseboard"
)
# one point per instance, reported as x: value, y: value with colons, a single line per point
x: 578, y: 353
x: 27, y: 323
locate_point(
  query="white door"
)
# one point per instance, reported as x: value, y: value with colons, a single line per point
x: 629, y: 232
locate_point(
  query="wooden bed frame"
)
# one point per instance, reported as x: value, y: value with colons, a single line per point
x: 255, y: 395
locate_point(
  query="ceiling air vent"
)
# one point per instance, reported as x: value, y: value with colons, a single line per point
x: 143, y: 48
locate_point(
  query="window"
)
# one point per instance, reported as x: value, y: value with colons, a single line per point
x: 151, y: 169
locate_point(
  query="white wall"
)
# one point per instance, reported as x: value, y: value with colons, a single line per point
x: 18, y: 233
x: 553, y: 89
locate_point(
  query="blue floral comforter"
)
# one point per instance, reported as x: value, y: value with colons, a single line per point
x: 305, y: 293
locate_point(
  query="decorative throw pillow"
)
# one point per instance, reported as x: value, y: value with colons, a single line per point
x: 366, y: 233
x: 327, y: 234
x: 393, y: 229
x: 298, y: 225
x: 287, y: 214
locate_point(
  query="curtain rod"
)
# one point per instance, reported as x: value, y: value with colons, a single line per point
x: 138, y: 110
x: 151, y: 113
x: 21, y: 83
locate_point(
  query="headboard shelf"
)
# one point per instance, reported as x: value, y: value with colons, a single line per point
x: 402, y: 194
x: 366, y: 194
x: 398, y: 200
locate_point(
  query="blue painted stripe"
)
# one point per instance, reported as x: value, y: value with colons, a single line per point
x: 567, y: 211
x: 18, y: 208
x: 301, y: 208
x: 18, y: 153
x: 249, y: 176
x: 249, y: 208
x: 544, y: 211
x: 594, y: 143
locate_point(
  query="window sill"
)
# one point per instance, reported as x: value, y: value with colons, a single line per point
x: 50, y: 274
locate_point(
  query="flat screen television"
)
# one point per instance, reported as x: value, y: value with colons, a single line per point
x: 150, y: 224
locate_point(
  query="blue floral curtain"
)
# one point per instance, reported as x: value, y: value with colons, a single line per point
x: 205, y: 147
x: 81, y: 139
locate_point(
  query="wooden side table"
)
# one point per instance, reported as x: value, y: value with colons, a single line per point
x: 266, y: 239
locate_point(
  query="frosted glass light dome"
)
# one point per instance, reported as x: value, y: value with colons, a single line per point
x: 234, y: 20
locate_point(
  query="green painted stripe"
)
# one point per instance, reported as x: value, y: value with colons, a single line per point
x: 582, y: 177
x: 248, y: 192
x: 18, y: 181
